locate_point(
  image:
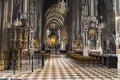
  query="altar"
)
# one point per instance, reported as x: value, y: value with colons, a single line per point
x: 80, y: 51
x: 95, y: 51
x: 62, y: 51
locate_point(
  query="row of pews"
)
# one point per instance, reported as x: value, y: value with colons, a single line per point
x: 46, y: 53
x: 109, y: 60
x: 78, y: 58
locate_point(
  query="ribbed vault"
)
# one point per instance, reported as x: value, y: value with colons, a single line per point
x: 54, y: 16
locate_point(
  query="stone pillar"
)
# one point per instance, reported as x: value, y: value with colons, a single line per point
x: 25, y: 9
x: 59, y: 35
x: 77, y: 18
x: 87, y: 9
x: 1, y: 12
x: 116, y: 37
x: 10, y: 13
x: 99, y: 45
x: 1, y: 25
x: 86, y: 36
x: 69, y: 24
x: 73, y: 19
x: 39, y: 23
x: 85, y: 50
x: 92, y: 7
x: 95, y: 7
x: 25, y: 6
x: 73, y: 22
x: 31, y: 38
x: 85, y: 33
x: 4, y: 47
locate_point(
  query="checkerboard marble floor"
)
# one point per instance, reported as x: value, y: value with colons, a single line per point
x: 62, y: 68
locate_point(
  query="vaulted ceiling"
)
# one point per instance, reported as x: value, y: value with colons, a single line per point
x: 55, y: 16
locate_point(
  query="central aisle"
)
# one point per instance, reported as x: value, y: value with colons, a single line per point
x: 58, y: 67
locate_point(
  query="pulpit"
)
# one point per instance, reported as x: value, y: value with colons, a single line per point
x: 18, y: 39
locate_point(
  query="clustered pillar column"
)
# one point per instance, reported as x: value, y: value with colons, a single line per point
x: 59, y: 35
x: 99, y: 45
x: 85, y: 51
x: 117, y: 17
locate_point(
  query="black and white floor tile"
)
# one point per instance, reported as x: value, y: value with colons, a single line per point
x: 62, y: 68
